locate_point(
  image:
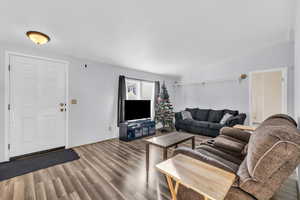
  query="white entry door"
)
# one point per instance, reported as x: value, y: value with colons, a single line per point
x: 268, y: 94
x: 38, y: 102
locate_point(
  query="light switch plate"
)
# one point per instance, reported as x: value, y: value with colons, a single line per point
x: 74, y: 101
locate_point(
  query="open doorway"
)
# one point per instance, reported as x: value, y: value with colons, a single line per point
x: 268, y: 94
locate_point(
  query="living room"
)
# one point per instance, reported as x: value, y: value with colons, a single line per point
x: 100, y: 99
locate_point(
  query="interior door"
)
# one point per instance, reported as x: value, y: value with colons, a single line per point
x: 37, y: 98
x: 267, y: 95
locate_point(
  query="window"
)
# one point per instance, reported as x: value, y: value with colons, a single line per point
x: 133, y: 89
x: 140, y: 90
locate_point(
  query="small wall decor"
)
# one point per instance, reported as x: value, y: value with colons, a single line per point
x: 243, y: 76
x: 74, y: 101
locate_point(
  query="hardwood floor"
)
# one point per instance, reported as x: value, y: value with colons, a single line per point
x: 109, y: 170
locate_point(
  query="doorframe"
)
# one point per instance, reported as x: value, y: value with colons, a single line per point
x: 284, y: 71
x: 7, y: 94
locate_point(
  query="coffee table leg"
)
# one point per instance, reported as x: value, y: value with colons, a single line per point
x: 147, y: 159
x: 165, y: 156
x: 193, y: 142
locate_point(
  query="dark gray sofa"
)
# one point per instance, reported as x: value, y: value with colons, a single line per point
x: 206, y: 121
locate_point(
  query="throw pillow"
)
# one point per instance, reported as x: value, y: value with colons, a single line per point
x: 186, y: 115
x: 225, y: 118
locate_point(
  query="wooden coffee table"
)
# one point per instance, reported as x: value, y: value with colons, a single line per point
x: 211, y: 182
x: 167, y: 141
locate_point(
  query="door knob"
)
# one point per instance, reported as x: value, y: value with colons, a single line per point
x: 63, y: 107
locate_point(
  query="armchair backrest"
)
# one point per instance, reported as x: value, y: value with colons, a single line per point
x: 273, y: 155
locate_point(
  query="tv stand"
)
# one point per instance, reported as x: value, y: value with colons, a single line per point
x: 132, y: 130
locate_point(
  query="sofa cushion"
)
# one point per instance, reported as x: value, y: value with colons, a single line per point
x: 221, y: 153
x: 184, y: 124
x: 192, y: 111
x: 201, y: 114
x: 229, y: 143
x: 188, y: 122
x: 232, y: 112
x: 215, y: 126
x: 215, y: 115
x: 236, y: 133
x: 200, y: 124
x: 208, y: 157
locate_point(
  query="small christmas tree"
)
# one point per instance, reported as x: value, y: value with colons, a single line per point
x: 164, y: 110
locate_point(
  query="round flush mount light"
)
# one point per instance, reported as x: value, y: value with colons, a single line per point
x: 38, y: 37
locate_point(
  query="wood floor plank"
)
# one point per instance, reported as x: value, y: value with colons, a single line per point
x: 81, y: 191
x: 108, y: 170
x: 40, y: 191
x: 50, y: 190
x: 19, y: 190
x: 59, y: 188
x: 29, y: 187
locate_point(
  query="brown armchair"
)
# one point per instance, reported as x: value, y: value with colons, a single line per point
x: 262, y: 160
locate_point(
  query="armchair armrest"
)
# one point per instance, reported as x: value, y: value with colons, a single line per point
x: 236, y: 133
x: 238, y: 119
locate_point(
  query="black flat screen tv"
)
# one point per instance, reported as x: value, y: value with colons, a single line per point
x: 137, y: 109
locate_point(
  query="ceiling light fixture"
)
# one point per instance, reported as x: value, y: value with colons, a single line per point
x: 38, y: 37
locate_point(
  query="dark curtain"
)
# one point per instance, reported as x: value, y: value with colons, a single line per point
x: 121, y: 99
x: 156, y: 94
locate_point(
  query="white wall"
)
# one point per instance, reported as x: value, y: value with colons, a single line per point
x: 297, y: 73
x: 232, y: 94
x: 95, y: 88
x: 297, y: 63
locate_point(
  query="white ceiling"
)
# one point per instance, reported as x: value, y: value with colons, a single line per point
x: 160, y: 36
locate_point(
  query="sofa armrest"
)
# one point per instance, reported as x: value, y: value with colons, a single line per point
x: 178, y: 116
x: 236, y: 133
x: 202, y: 156
x: 238, y: 119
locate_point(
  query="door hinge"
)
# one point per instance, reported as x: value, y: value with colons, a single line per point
x: 8, y: 146
x: 8, y: 107
x: 9, y: 67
